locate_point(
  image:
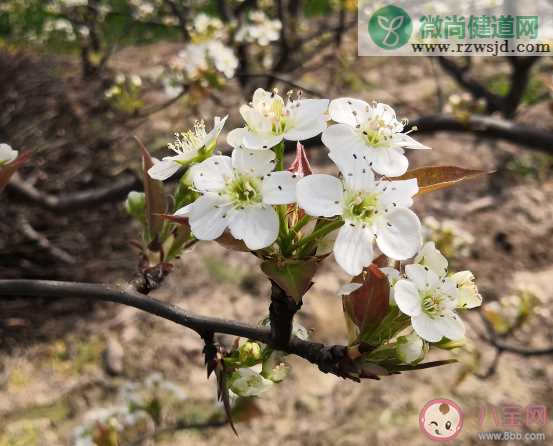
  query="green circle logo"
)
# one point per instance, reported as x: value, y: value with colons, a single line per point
x: 390, y: 27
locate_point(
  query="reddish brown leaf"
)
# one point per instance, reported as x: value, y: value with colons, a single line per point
x: 300, y: 166
x: 293, y: 276
x: 440, y: 177
x: 9, y: 169
x: 156, y: 204
x: 367, y: 306
x: 228, y: 241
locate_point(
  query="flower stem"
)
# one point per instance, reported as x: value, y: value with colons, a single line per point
x: 279, y: 151
x: 318, y: 233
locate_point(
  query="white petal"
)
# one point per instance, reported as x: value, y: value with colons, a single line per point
x: 451, y: 326
x: 161, y: 170
x: 399, y: 234
x: 257, y: 226
x: 309, y: 119
x: 390, y: 162
x: 406, y: 142
x: 469, y: 297
x: 398, y: 193
x: 307, y: 130
x: 253, y: 162
x: 426, y: 327
x: 431, y: 257
x: 320, y: 195
x: 279, y: 188
x: 260, y: 141
x: 407, y: 297
x: 341, y: 136
x: 235, y: 138
x: 357, y: 174
x: 184, y: 211
x: 208, y: 217
x: 211, y: 137
x: 212, y: 174
x: 422, y: 277
x: 348, y: 111
x: 353, y: 248
x: 393, y: 276
x: 7, y: 154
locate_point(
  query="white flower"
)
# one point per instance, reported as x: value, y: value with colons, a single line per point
x: 410, y: 349
x: 372, y: 210
x: 223, y: 58
x: 238, y: 193
x: 7, y: 154
x: 260, y: 29
x: 431, y: 303
x: 469, y: 297
x: 372, y: 130
x: 187, y: 146
x: 269, y: 120
x: 246, y: 382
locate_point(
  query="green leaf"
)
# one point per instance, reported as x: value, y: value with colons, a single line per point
x: 293, y: 276
x: 440, y: 177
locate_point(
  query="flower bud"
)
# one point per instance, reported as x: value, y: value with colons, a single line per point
x: 249, y: 352
x: 300, y: 166
x: 411, y: 349
x: 7, y: 154
x: 135, y: 205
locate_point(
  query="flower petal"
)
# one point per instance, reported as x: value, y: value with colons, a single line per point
x: 235, y: 138
x: 260, y: 141
x: 426, y: 327
x: 256, y: 226
x: 353, y: 249
x: 279, y: 187
x: 208, y: 217
x: 407, y: 297
x: 399, y: 234
x: 161, y: 170
x: 389, y: 161
x: 348, y: 111
x: 451, y: 326
x: 212, y: 174
x: 340, y: 136
x: 320, y: 195
x: 357, y: 174
x: 406, y: 142
x: 423, y: 278
x: 212, y: 136
x: 309, y: 119
x: 253, y: 162
x: 431, y: 257
x: 398, y: 193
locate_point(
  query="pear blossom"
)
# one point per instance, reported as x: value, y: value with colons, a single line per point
x: 431, y: 303
x: 372, y: 211
x: 246, y: 382
x: 432, y: 258
x: 269, y: 120
x: 411, y: 348
x: 469, y: 297
x: 374, y: 131
x: 260, y: 29
x: 7, y: 154
x: 187, y: 146
x: 238, y: 193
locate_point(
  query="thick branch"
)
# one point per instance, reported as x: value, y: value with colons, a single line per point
x: 118, y: 190
x: 326, y: 357
x: 491, y: 127
x: 281, y: 315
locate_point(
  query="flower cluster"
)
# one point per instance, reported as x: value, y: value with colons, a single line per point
x: 259, y: 29
x: 295, y: 217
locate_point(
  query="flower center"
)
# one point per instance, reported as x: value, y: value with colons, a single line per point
x: 360, y: 207
x: 189, y: 140
x: 431, y: 303
x: 376, y: 132
x: 244, y: 191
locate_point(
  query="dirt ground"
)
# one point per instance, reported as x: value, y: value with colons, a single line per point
x: 51, y: 366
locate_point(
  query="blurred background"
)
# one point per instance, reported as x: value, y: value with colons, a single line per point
x: 79, y: 78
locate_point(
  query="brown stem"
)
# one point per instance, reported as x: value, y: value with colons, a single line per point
x: 281, y: 314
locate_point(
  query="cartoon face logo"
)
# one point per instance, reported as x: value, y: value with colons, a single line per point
x: 441, y: 419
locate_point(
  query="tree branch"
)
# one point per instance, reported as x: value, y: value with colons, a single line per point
x: 488, y: 126
x: 118, y: 190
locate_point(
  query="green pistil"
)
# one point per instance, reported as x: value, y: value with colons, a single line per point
x: 245, y: 191
x: 431, y: 304
x: 361, y: 207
